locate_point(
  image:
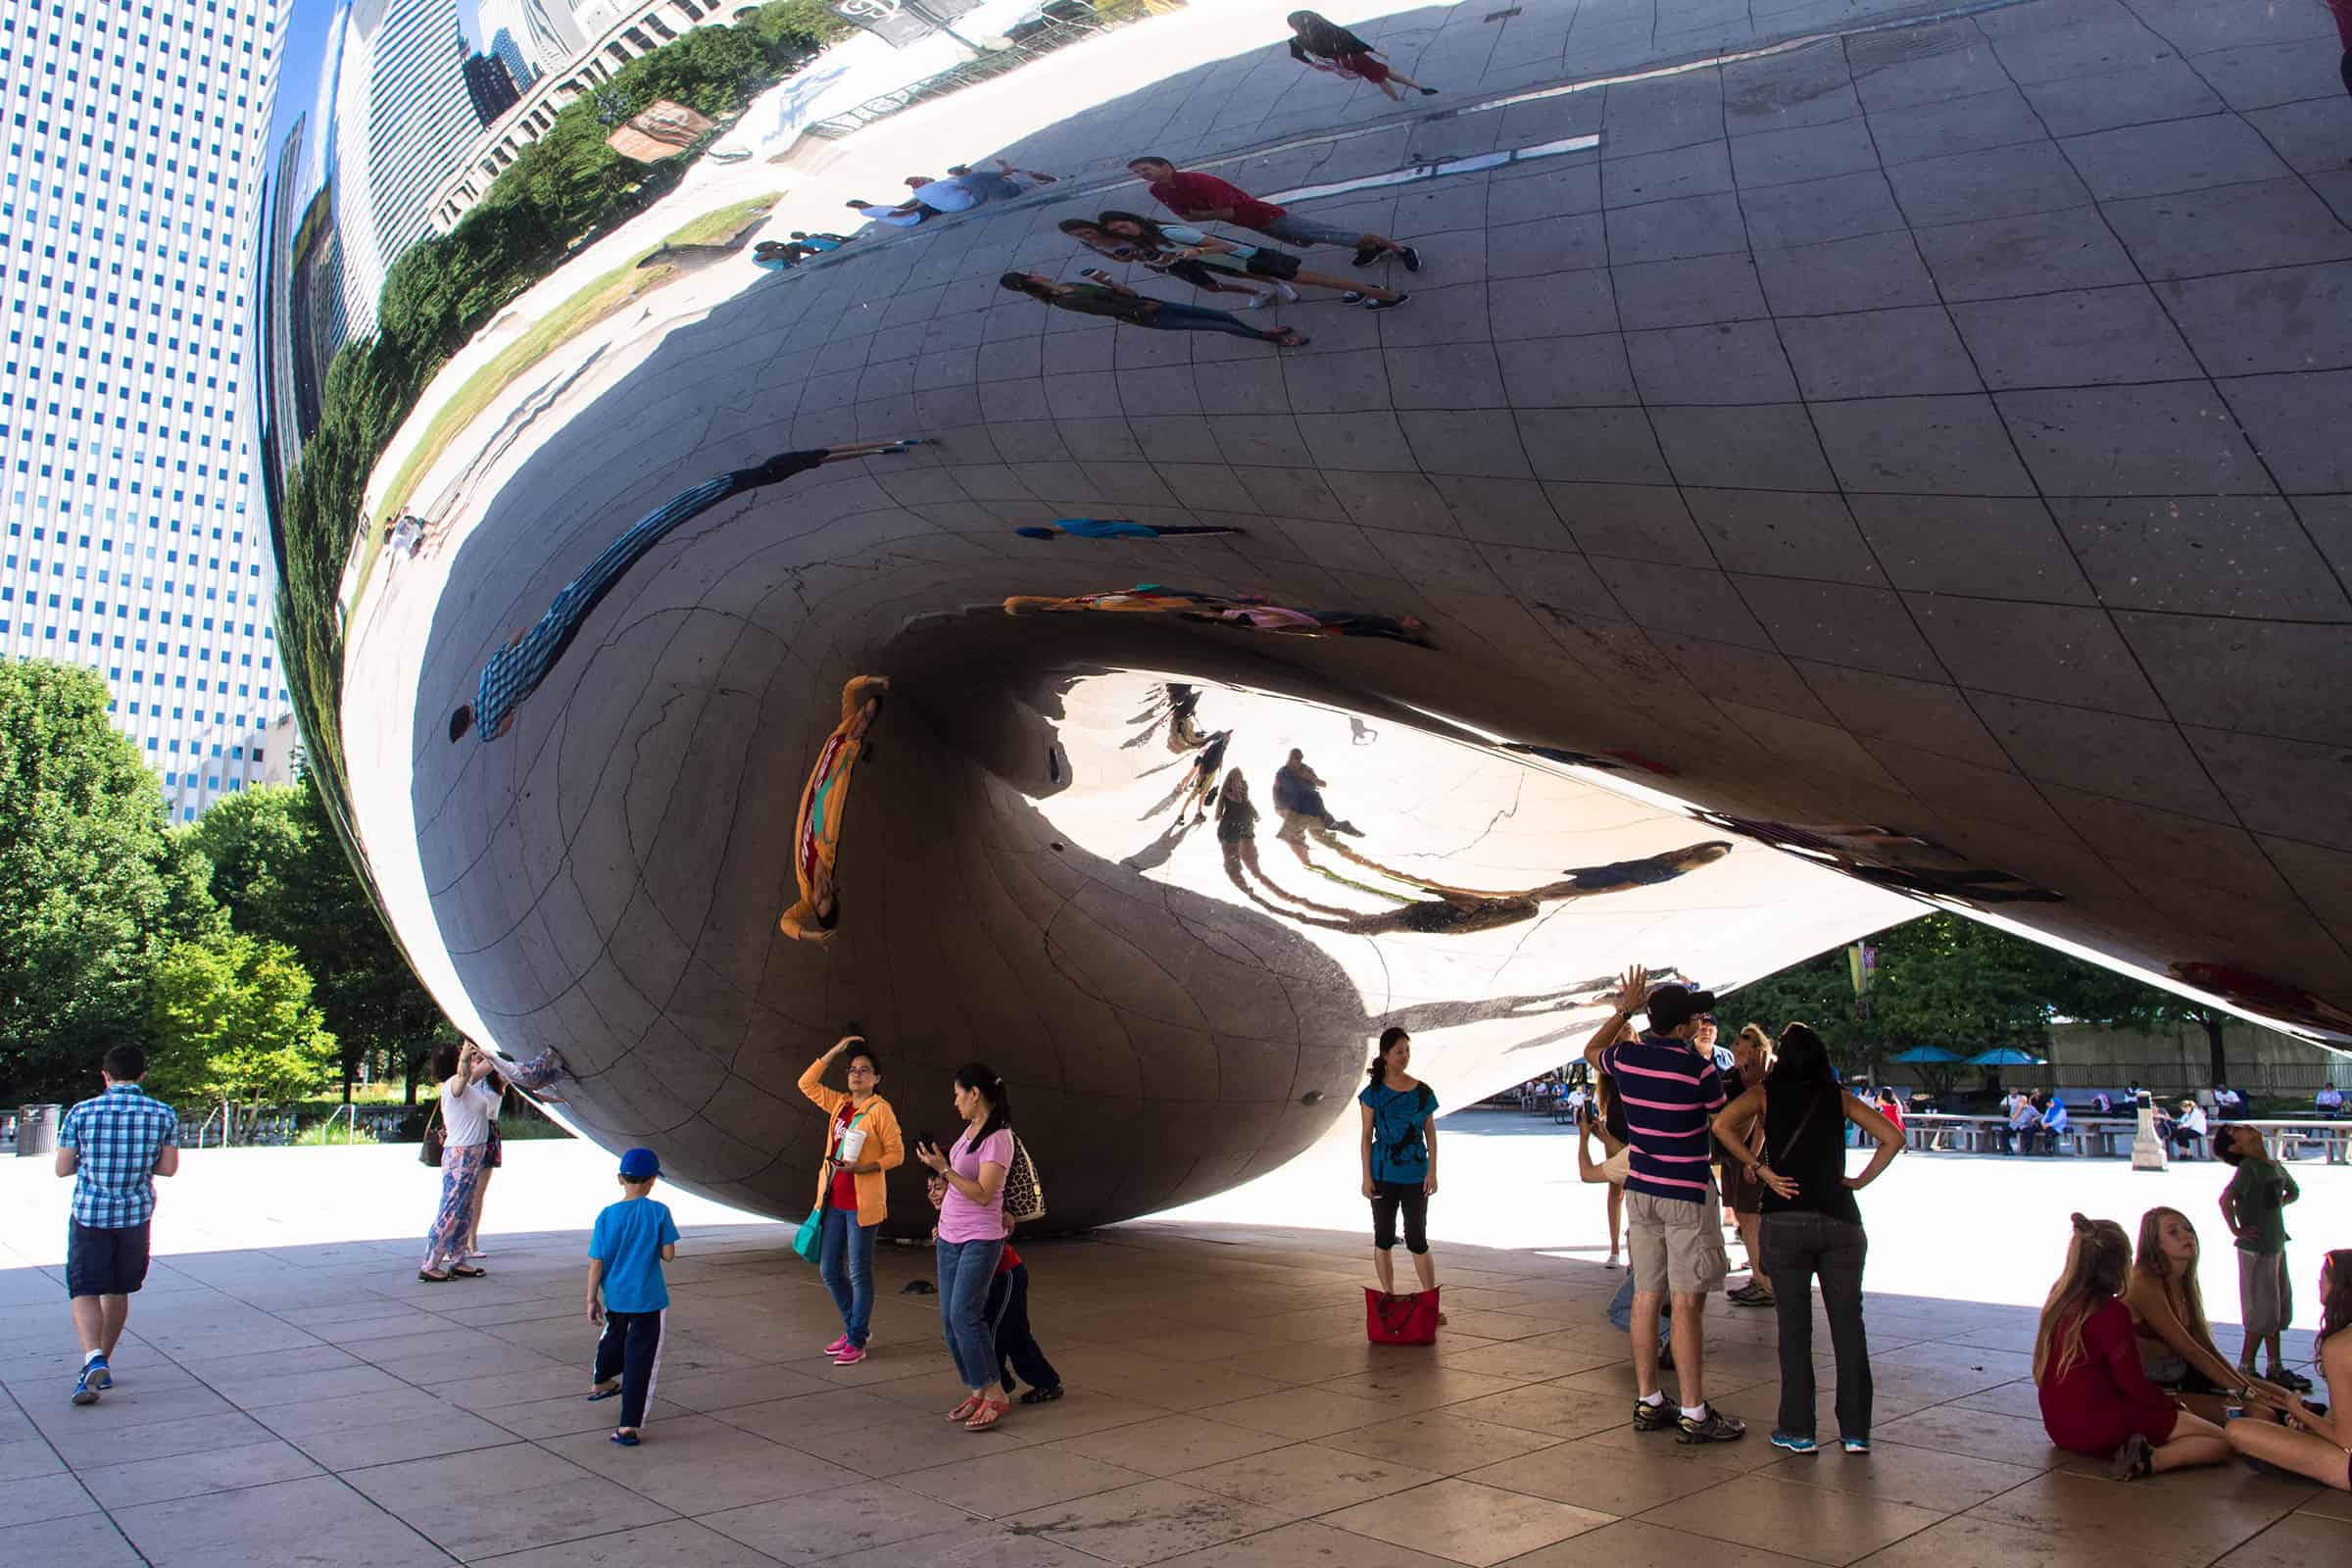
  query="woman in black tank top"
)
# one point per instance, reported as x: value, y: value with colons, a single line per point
x: 1812, y: 1225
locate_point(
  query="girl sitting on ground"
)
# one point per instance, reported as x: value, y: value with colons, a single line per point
x: 2095, y: 1400
x: 2311, y: 1440
x: 2168, y: 1311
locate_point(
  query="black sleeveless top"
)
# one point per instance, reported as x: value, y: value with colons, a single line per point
x: 1808, y: 1149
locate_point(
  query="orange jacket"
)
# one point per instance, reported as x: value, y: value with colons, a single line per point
x: 883, y: 1144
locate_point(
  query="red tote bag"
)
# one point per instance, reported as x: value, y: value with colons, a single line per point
x: 1400, y: 1319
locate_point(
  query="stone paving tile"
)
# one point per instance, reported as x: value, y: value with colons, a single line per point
x: 499, y: 1499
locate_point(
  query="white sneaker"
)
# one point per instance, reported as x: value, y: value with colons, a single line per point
x: 1289, y: 294
x: 1256, y: 302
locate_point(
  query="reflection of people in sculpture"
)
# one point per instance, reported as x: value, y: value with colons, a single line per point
x: 516, y: 670
x: 1118, y: 528
x: 1245, y: 610
x: 1200, y: 786
x: 1891, y: 858
x: 824, y: 801
x: 1457, y: 910
x: 1299, y: 799
x: 1184, y: 730
x: 1236, y: 825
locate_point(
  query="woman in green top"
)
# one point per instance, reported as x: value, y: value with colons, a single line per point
x: 1103, y: 297
x: 1260, y: 261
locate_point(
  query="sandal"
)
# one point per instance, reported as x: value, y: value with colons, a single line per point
x: 1042, y: 1395
x: 612, y: 1392
x: 431, y: 1278
x: 991, y: 1411
x: 964, y: 1411
x: 624, y: 1437
x: 463, y: 1273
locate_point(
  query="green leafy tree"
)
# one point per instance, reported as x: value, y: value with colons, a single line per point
x: 280, y: 872
x: 92, y: 884
x: 232, y: 1021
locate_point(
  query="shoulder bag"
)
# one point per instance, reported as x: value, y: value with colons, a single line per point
x: 429, y: 1152
x: 810, y: 1235
x: 1025, y: 1193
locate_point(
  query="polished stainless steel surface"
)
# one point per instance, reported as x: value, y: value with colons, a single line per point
x: 1876, y: 467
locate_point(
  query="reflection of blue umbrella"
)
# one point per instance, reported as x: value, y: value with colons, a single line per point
x: 1925, y: 1053
x: 2005, y: 1057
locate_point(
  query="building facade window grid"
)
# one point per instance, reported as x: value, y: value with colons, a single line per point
x: 128, y: 205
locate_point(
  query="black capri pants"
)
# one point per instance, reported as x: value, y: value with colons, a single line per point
x: 1386, y: 1198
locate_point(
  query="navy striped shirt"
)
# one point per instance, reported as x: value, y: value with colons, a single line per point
x: 1670, y: 1093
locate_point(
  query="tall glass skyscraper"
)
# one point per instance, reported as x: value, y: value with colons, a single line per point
x: 134, y: 542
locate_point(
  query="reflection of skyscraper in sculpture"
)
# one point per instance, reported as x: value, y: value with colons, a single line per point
x: 133, y: 549
x: 280, y: 428
x: 532, y: 36
x: 403, y: 123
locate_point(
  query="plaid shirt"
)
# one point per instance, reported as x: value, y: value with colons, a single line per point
x: 117, y: 1136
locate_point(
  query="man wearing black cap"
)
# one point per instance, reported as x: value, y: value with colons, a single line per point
x: 1674, y: 1226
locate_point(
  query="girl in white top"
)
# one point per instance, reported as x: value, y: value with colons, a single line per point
x: 1262, y: 261
x: 466, y: 1107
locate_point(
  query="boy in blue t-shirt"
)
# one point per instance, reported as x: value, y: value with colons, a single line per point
x: 632, y: 1240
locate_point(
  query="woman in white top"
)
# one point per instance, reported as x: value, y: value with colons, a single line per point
x: 1258, y: 261
x: 467, y: 1105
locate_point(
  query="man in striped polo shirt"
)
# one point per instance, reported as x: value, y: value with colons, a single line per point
x: 1670, y: 1091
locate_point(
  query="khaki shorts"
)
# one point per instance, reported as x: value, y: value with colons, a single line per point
x: 1675, y: 1245
x: 2265, y: 1298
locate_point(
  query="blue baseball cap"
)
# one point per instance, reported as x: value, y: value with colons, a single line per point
x: 640, y: 1164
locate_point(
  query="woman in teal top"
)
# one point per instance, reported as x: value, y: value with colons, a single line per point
x: 1258, y: 261
x: 1399, y: 1150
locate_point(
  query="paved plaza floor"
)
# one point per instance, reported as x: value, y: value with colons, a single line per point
x: 288, y: 1391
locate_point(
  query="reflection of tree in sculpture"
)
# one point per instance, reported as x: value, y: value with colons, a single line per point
x: 2261, y: 994
x: 1239, y: 609
x: 1891, y: 858
x: 824, y: 801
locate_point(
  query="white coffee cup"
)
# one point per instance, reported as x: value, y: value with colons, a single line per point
x: 852, y: 1143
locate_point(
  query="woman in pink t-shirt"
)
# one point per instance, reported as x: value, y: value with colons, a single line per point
x: 971, y: 1235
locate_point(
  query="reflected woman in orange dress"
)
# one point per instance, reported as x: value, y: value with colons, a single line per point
x: 816, y: 834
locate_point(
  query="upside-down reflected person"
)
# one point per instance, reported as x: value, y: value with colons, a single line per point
x: 824, y: 798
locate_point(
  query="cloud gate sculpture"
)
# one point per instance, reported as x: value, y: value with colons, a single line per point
x: 1823, y: 466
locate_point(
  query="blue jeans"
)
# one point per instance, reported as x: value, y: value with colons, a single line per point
x: 1173, y: 318
x: 964, y: 1272
x: 845, y: 1262
x: 1621, y: 1309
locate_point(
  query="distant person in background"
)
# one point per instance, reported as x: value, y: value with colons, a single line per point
x: 1211, y: 274
x: 1116, y: 528
x: 2227, y: 1101
x: 775, y: 256
x: 1299, y: 798
x: 2254, y: 1208
x: 2188, y: 1129
x: 2328, y: 1101
x: 2095, y: 1400
x: 1742, y: 1193
x: 820, y: 242
x: 2055, y: 1122
x: 1315, y: 41
x: 967, y: 187
x: 1257, y: 261
x: 1891, y: 1106
x: 2024, y: 1123
x: 113, y: 1146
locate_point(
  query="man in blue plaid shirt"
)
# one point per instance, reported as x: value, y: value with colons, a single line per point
x: 113, y: 1147
x: 516, y: 670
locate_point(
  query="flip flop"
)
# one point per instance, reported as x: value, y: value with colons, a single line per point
x: 627, y: 1439
x: 467, y: 1273
x: 612, y: 1392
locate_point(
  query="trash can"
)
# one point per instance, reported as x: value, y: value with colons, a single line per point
x: 36, y: 1129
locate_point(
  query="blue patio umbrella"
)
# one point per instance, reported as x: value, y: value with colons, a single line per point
x: 2004, y: 1056
x: 1925, y: 1053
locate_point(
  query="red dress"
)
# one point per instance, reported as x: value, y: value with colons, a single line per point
x: 2105, y: 1397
